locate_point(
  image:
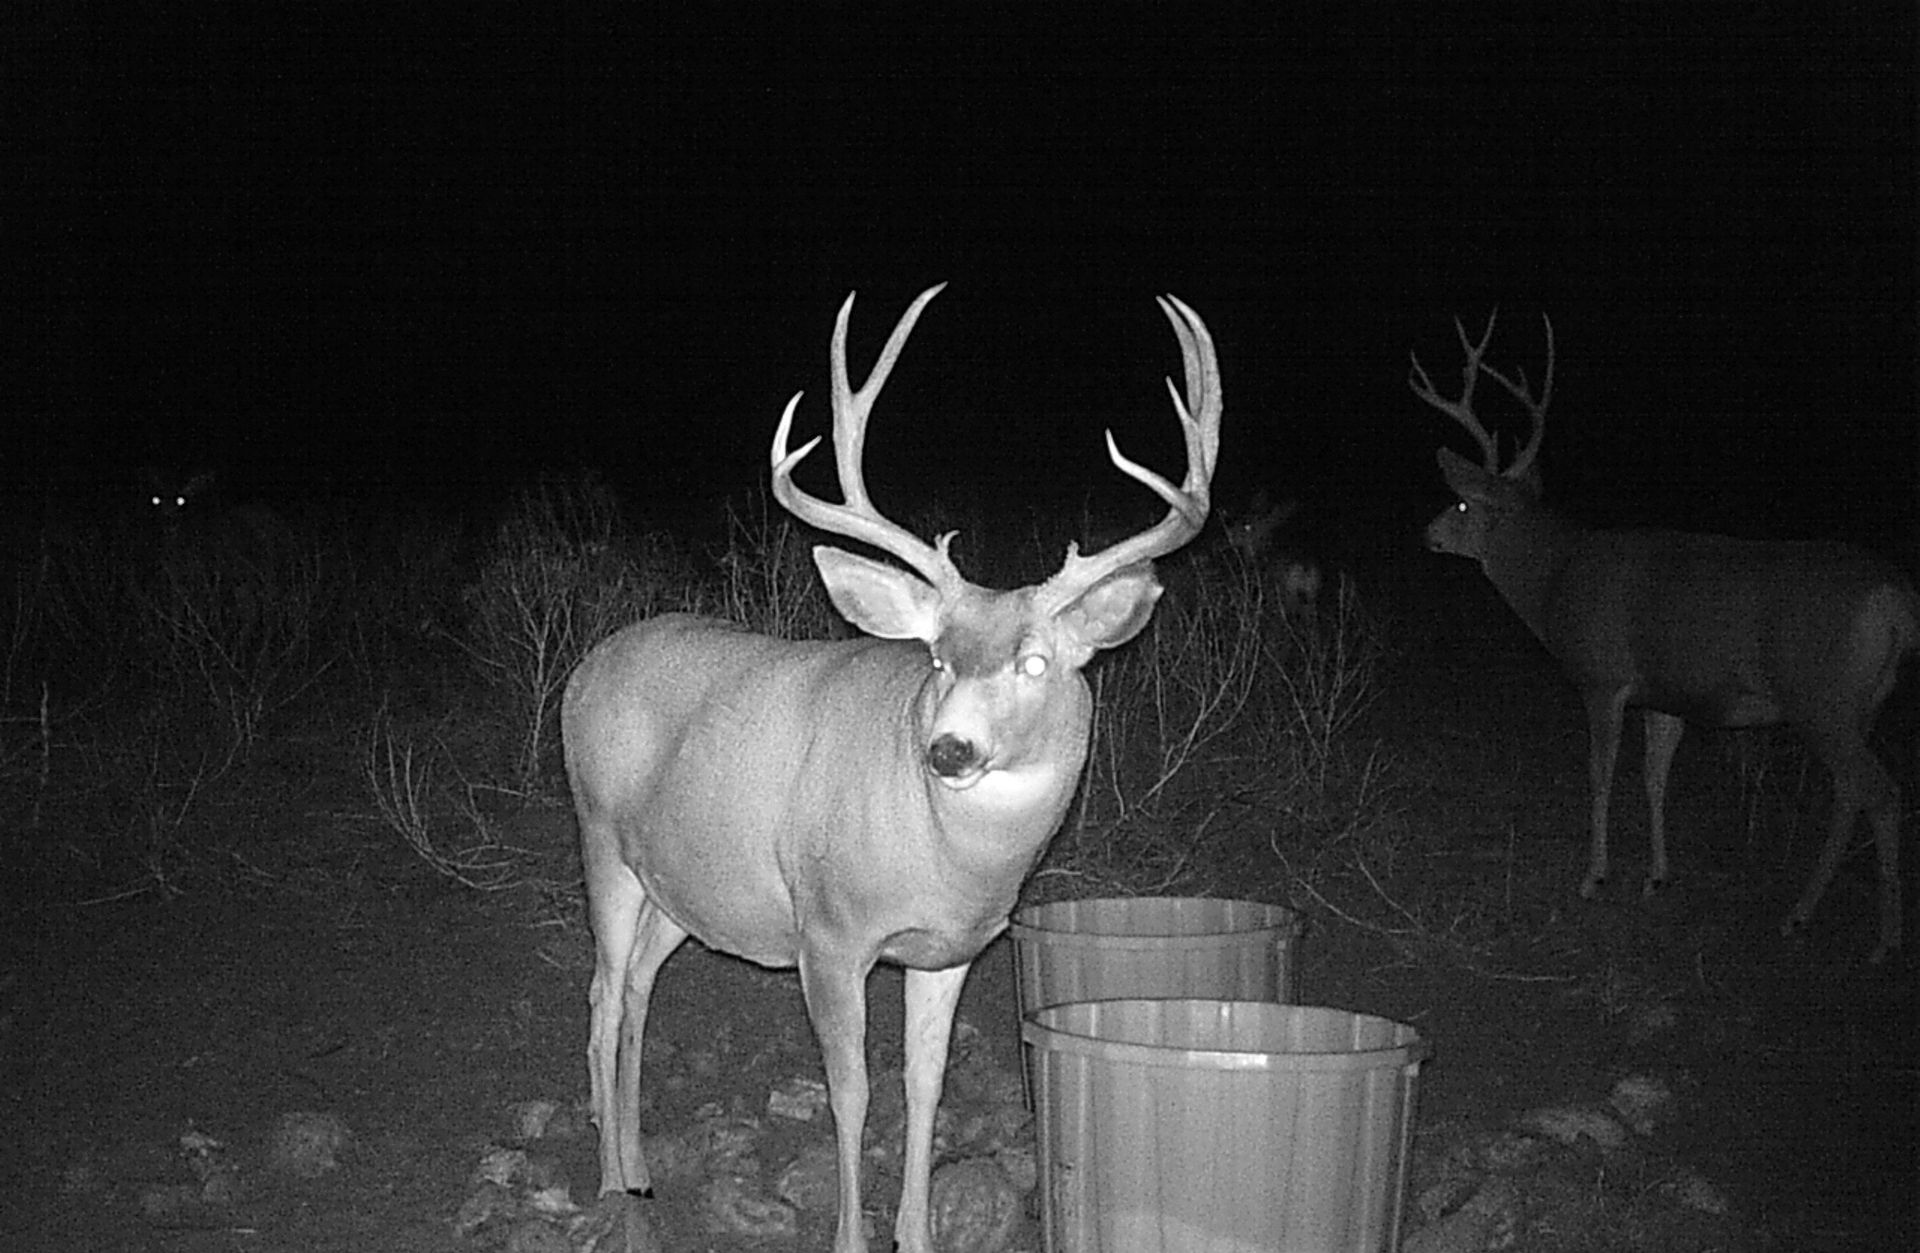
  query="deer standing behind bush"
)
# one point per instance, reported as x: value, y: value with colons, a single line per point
x: 1288, y: 575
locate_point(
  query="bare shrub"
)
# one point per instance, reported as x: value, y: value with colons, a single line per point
x: 559, y: 576
x: 1168, y: 709
x: 767, y: 579
x: 413, y: 565
x: 228, y: 632
x: 1226, y: 697
x: 408, y: 784
x: 1321, y: 672
x: 1164, y: 702
x: 125, y: 810
x: 151, y: 659
x: 81, y: 586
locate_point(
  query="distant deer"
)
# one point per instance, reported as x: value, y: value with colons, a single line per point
x: 186, y: 515
x: 1289, y: 576
x: 1688, y: 628
x: 166, y: 497
x: 828, y: 805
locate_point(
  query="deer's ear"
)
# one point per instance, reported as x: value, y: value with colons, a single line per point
x: 880, y: 599
x: 1468, y: 481
x: 1112, y: 611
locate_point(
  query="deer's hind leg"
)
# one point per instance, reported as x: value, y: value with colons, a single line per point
x: 1861, y: 785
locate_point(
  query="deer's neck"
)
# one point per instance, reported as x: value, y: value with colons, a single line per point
x: 1008, y: 808
x: 996, y: 830
x: 1526, y: 555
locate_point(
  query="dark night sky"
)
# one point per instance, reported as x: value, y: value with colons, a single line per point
x: 428, y: 254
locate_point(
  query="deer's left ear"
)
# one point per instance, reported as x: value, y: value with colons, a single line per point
x: 1112, y: 611
x: 1468, y: 481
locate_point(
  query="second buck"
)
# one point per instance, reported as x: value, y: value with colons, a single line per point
x: 832, y: 805
x: 1688, y: 628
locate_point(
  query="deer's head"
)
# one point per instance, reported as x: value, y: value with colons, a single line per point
x: 1004, y: 694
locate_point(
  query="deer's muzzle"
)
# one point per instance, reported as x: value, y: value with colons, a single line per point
x: 952, y: 757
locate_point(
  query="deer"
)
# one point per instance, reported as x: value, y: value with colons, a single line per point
x: 1687, y: 627
x: 828, y: 805
x: 167, y: 496
x: 197, y: 512
x: 1291, y: 577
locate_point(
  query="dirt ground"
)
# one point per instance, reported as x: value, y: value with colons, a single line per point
x: 322, y: 1056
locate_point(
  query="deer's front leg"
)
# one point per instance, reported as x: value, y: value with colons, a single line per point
x: 932, y: 996
x: 836, y: 992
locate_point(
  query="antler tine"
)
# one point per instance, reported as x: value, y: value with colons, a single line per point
x: 1461, y: 410
x: 1536, y: 409
x: 851, y: 407
x: 857, y: 518
x: 1199, y: 413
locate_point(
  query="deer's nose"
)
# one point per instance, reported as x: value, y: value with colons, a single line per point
x: 950, y: 756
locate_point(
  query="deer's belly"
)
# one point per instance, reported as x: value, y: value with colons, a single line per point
x: 1730, y: 704
x: 747, y: 918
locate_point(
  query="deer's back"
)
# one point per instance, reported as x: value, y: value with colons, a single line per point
x: 1731, y: 631
x: 677, y: 678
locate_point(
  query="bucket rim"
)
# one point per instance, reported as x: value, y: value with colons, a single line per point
x: 1031, y: 921
x: 1408, y: 1053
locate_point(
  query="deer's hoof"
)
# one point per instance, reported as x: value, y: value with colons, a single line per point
x: 615, y: 1224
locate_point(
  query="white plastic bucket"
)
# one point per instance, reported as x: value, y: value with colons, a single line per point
x: 1133, y: 948
x: 1208, y: 1126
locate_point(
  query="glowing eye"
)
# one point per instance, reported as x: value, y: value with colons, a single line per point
x: 939, y: 664
x: 1033, y: 665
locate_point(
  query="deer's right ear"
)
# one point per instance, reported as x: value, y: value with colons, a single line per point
x: 882, y: 600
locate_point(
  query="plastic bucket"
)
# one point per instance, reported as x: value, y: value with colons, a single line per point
x: 1206, y: 1126
x: 1132, y: 948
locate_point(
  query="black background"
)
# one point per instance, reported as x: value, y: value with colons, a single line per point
x: 426, y: 250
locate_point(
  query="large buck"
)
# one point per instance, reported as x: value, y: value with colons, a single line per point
x: 1689, y: 628
x: 831, y: 805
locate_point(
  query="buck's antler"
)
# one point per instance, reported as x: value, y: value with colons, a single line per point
x: 857, y: 518
x: 1461, y: 410
x: 1199, y: 412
